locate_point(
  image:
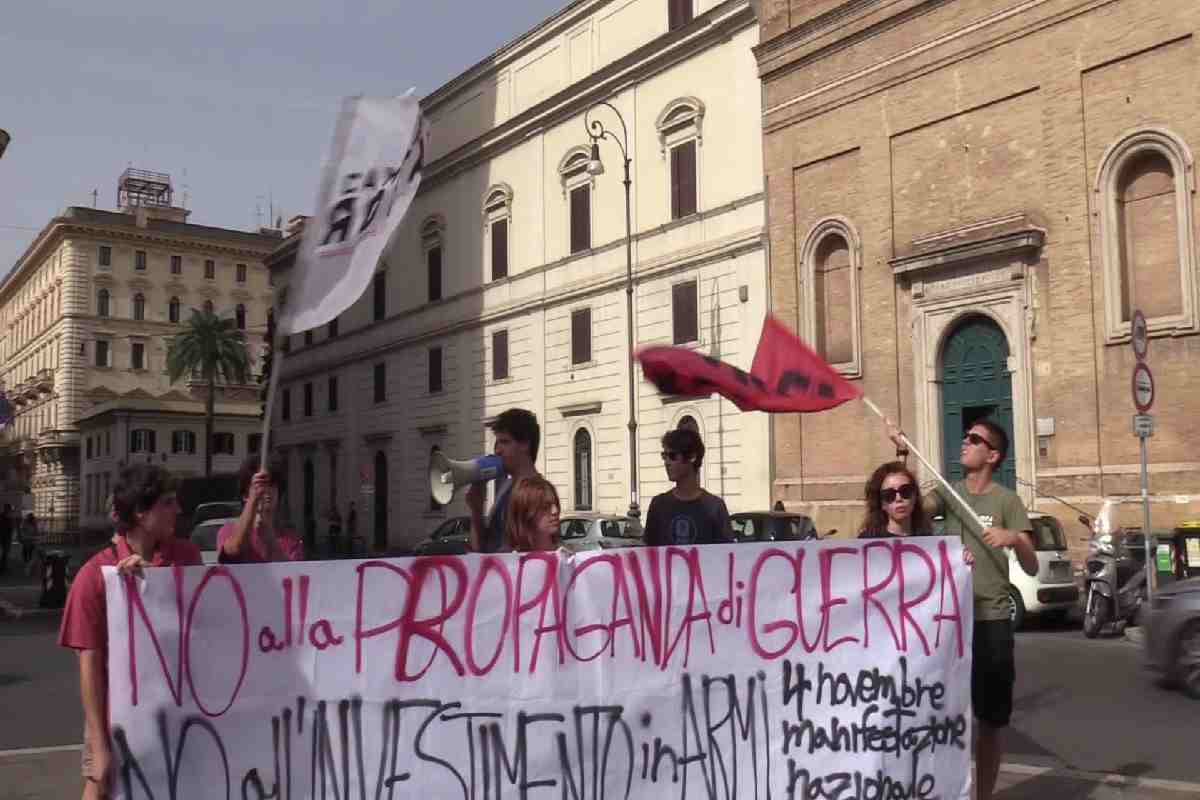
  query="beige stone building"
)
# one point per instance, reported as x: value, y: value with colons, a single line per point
x: 967, y: 200
x: 85, y: 318
x: 506, y: 286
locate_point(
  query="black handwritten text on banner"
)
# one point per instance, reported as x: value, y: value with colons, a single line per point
x: 817, y: 670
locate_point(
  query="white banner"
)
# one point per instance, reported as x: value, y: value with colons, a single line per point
x: 835, y: 669
x: 366, y: 188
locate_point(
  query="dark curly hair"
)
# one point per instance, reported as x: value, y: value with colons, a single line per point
x: 138, y: 488
x: 876, y: 518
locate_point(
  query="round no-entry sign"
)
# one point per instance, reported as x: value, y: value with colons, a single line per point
x: 1139, y: 335
x: 1143, y: 387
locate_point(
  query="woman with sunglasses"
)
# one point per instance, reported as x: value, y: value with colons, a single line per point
x: 894, y: 505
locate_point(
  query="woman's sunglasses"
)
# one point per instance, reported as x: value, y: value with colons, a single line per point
x: 907, y: 491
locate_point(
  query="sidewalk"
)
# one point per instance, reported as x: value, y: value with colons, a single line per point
x: 52, y: 772
x: 20, y: 593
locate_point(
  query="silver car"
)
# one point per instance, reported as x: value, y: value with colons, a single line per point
x: 1173, y: 634
x: 592, y: 530
x: 204, y: 536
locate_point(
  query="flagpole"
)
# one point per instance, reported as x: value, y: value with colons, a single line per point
x: 936, y: 474
x: 272, y: 386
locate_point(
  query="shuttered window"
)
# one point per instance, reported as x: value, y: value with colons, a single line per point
x: 685, y: 323
x: 581, y: 218
x: 379, y: 285
x: 679, y: 13
x: 499, y: 355
x: 683, y: 180
x: 380, y: 383
x: 435, y: 370
x: 499, y: 249
x: 433, y: 260
x: 581, y: 336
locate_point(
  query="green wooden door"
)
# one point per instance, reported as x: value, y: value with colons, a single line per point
x: 976, y: 385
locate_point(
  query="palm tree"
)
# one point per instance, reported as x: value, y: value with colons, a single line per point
x: 212, y: 347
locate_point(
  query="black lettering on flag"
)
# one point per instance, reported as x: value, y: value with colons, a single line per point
x: 792, y: 378
x: 339, y: 220
x: 350, y: 183
x: 825, y: 390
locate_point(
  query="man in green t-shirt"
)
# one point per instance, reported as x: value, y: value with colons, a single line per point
x: 1005, y: 524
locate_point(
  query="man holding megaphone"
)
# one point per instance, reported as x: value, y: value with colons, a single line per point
x: 517, y: 438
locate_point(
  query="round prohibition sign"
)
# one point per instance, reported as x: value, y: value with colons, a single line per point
x: 1143, y: 387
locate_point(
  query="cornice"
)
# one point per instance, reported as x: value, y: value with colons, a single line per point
x: 811, y: 28
x: 710, y: 28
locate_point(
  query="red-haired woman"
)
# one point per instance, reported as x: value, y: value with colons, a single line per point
x: 533, y: 515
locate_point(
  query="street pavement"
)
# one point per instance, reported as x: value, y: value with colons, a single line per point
x: 1089, y: 722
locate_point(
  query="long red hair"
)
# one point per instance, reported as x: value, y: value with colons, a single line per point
x: 530, y: 497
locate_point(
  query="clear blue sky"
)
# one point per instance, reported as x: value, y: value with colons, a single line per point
x: 235, y: 98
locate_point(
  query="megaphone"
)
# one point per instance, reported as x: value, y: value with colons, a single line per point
x: 447, y: 476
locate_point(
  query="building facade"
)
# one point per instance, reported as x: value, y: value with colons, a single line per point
x: 85, y: 319
x: 967, y: 201
x: 507, y: 283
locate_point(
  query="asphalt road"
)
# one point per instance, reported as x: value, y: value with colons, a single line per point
x: 1081, y: 705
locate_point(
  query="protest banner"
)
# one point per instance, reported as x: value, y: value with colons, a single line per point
x: 834, y: 669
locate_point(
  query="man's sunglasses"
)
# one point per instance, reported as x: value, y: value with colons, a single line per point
x: 975, y: 438
x: 907, y: 491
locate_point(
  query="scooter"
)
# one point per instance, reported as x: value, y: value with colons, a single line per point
x: 1114, y: 582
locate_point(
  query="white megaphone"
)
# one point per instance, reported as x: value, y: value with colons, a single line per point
x: 447, y: 476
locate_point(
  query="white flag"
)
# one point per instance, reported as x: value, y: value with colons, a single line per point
x: 366, y: 189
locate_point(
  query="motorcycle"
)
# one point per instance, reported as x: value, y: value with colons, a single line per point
x: 1114, y: 582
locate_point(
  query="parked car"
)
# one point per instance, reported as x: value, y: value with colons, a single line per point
x: 1172, y: 640
x: 593, y: 530
x: 224, y: 509
x: 1053, y: 591
x: 772, y: 526
x: 204, y: 536
x: 448, y: 539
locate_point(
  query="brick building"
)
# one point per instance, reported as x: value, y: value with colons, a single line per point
x: 966, y: 201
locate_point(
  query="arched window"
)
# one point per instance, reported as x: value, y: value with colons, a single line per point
x: 139, y: 307
x: 582, y: 450
x: 688, y: 423
x: 433, y: 233
x: 577, y: 188
x: 102, y: 304
x: 173, y: 310
x: 1145, y: 190
x: 241, y: 317
x: 680, y: 128
x: 829, y: 291
x: 208, y: 306
x: 497, y: 216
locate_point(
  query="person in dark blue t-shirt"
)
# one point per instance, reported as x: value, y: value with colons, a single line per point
x: 517, y: 438
x: 687, y: 514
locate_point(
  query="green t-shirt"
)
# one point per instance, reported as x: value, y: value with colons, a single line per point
x: 999, y: 507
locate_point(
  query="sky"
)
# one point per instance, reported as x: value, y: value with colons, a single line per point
x: 234, y: 98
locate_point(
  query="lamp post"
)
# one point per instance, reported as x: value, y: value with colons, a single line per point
x: 597, y: 131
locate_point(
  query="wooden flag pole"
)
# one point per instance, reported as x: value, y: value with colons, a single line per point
x: 936, y: 474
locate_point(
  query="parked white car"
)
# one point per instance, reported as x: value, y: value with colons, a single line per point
x: 592, y: 530
x: 1053, y: 592
x: 204, y: 536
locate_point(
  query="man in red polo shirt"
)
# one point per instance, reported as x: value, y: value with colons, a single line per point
x: 144, y: 510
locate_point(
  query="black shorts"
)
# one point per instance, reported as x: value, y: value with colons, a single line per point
x: 993, y: 672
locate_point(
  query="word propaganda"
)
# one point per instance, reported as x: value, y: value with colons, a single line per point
x: 836, y: 670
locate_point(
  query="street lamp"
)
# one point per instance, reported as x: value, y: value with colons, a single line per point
x: 596, y: 131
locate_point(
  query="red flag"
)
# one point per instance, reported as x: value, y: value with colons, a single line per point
x: 786, y: 376
x: 800, y: 379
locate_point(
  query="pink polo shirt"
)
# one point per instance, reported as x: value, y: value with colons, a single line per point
x: 253, y: 549
x: 85, y: 618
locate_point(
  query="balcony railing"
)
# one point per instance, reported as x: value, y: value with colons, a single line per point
x: 44, y: 381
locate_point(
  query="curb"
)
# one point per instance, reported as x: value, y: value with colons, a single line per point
x: 1105, y: 778
x: 9, y: 610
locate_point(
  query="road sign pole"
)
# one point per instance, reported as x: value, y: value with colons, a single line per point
x: 1150, y: 575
